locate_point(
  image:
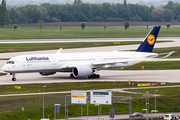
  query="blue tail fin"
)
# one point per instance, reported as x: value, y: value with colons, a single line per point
x: 148, y: 44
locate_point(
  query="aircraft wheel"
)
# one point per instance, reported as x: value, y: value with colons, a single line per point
x: 94, y: 76
x: 13, y: 79
x: 72, y: 76
x: 97, y: 76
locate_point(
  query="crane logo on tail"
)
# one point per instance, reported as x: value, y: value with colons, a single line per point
x: 151, y: 39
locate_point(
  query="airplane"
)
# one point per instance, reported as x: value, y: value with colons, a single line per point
x: 82, y: 64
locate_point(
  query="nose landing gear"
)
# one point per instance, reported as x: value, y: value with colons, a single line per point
x: 13, y: 74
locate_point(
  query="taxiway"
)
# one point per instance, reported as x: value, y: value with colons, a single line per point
x: 106, y: 75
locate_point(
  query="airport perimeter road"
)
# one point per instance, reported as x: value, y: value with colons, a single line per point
x: 106, y: 75
x: 118, y: 116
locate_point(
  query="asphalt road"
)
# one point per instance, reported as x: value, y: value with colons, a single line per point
x: 106, y: 75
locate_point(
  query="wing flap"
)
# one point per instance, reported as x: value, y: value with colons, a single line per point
x: 110, y: 62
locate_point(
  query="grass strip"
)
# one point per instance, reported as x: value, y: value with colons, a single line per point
x: 54, y: 87
x: 89, y: 32
x: 2, y: 74
x: 161, y: 65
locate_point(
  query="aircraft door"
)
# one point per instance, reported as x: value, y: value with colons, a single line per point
x: 54, y: 61
x: 100, y: 58
x: 23, y: 62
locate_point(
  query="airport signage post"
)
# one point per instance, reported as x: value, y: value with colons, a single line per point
x: 101, y: 97
x: 78, y: 97
x: 56, y: 110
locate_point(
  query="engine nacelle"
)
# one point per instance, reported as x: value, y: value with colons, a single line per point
x: 82, y: 71
x: 47, y: 73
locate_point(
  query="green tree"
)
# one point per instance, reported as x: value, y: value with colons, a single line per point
x: 168, y: 25
x: 77, y: 1
x: 125, y: 4
x: 40, y: 24
x: 151, y: 8
x: 4, y: 2
x: 81, y: 16
x: 3, y: 13
x: 83, y: 24
x: 126, y: 25
x: 157, y: 14
x: 15, y: 27
x: 168, y: 15
x: 169, y: 5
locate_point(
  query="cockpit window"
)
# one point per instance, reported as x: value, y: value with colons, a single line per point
x: 10, y: 62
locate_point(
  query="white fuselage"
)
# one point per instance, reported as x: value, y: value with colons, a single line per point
x: 64, y: 62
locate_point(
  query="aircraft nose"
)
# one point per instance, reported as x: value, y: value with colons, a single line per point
x: 4, y: 68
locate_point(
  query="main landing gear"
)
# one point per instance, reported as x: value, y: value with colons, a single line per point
x: 94, y: 76
x: 13, y: 74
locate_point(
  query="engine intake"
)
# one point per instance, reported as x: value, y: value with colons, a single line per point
x: 47, y: 73
x: 82, y: 71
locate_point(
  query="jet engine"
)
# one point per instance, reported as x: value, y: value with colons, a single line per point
x: 47, y: 73
x: 82, y: 71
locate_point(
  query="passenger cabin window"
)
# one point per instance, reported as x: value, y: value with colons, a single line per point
x: 10, y: 62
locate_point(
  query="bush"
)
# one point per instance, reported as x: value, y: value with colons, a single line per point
x: 14, y: 26
x: 83, y: 24
x: 168, y: 25
x: 98, y: 19
x: 126, y: 25
x: 114, y: 20
x: 178, y: 20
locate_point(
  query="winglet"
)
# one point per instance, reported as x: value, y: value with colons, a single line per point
x: 148, y: 44
x: 59, y: 51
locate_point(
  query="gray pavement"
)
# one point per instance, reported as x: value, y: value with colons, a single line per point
x: 106, y: 75
x: 120, y: 116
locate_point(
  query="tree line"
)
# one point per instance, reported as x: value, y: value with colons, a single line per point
x: 86, y: 12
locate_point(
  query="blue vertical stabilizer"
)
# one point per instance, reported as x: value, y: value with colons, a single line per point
x: 148, y: 44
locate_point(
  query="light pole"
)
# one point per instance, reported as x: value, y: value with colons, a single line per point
x: 152, y: 112
x: 43, y: 101
x: 146, y: 113
x: 148, y: 105
x: 155, y: 99
x: 146, y: 101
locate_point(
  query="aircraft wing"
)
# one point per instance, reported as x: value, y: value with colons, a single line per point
x: 115, y: 62
x: 67, y: 66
